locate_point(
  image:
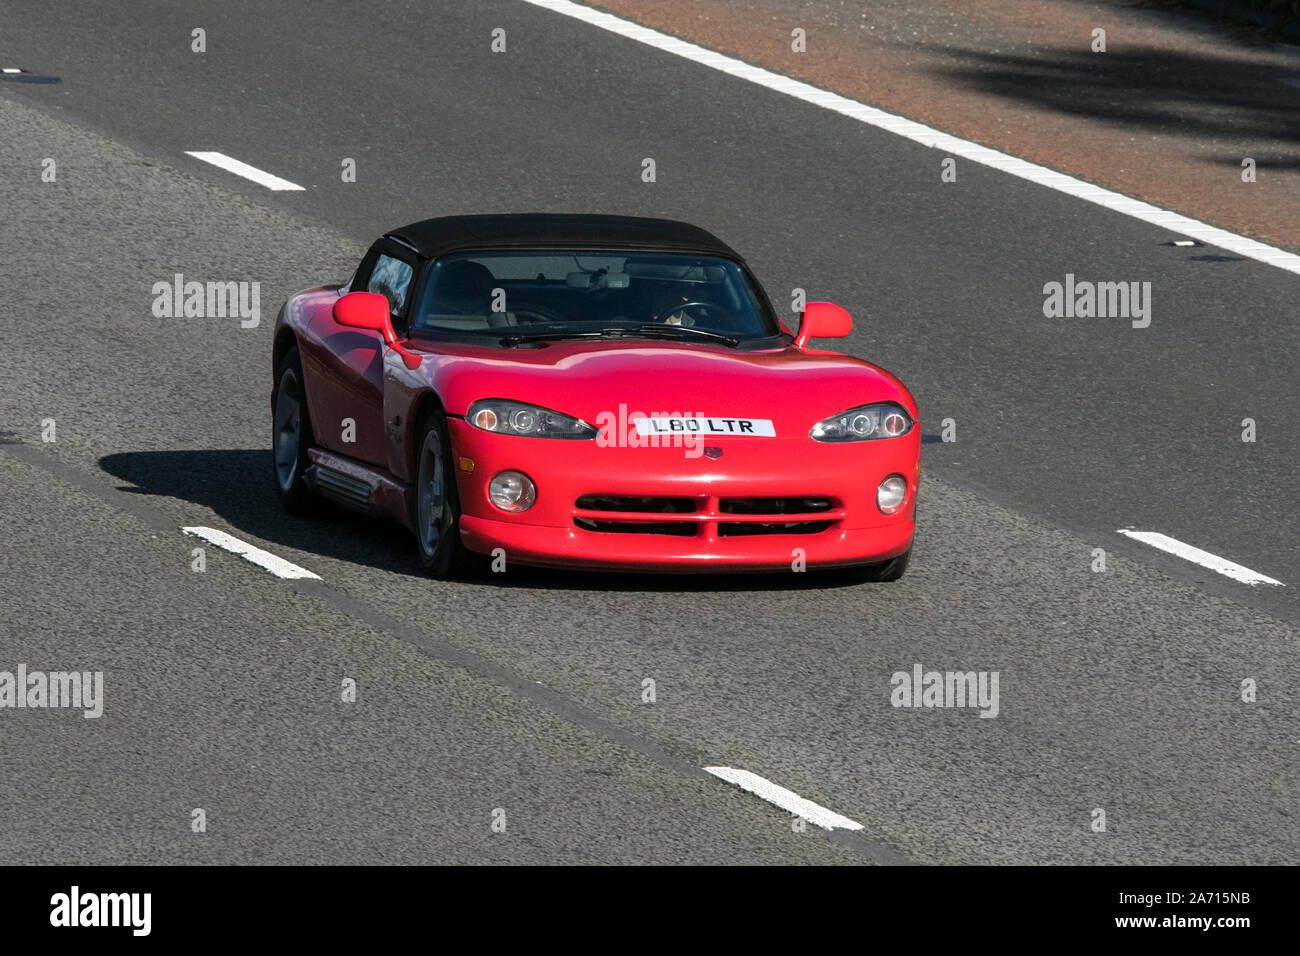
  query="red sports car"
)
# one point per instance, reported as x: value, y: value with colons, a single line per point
x: 590, y: 392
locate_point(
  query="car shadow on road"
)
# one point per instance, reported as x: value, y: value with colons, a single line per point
x: 551, y: 579
x: 236, y: 484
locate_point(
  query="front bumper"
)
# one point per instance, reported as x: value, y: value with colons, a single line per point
x: 847, y: 529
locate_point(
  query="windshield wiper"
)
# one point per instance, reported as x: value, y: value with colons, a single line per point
x: 636, y: 332
x: 510, y: 341
x: 674, y: 331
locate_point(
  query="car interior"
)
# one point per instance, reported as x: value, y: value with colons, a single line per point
x: 464, y: 294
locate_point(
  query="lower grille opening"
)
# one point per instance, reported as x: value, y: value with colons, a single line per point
x: 683, y: 529
x: 809, y: 504
x: 739, y: 529
x: 679, y: 506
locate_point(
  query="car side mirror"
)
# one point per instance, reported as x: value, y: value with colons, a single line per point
x: 822, y: 320
x: 366, y: 310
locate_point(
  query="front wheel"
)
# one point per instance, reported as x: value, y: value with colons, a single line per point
x: 436, y: 507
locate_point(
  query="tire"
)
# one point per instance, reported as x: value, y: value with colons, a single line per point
x: 435, y: 504
x: 886, y: 571
x: 291, y: 437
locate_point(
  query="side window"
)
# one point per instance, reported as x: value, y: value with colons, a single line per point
x: 391, y: 278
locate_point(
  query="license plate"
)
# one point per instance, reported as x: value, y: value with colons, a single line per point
x: 712, y: 426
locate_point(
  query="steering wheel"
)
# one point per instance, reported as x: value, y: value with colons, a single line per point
x: 663, y: 314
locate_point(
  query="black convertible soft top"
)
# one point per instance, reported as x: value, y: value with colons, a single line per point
x: 437, y: 237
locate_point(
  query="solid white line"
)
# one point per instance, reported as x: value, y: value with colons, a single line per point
x: 927, y: 136
x: 263, y: 559
x: 1203, y: 558
x: 785, y: 799
x: 230, y: 165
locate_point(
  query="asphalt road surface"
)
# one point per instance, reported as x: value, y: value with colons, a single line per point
x: 518, y: 700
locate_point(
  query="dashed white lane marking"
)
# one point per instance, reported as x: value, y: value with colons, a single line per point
x: 927, y: 136
x: 231, y: 165
x: 1206, y: 560
x: 785, y: 799
x: 263, y: 559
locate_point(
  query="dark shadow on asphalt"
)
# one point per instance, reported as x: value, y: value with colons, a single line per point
x: 29, y: 78
x: 1197, y: 96
x: 236, y: 484
x: 767, y: 581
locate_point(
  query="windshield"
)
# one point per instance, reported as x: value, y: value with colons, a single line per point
x: 514, y: 296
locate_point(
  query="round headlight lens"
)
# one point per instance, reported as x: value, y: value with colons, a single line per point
x: 485, y: 419
x: 523, y: 419
x: 512, y: 491
x: 891, y: 493
x: 864, y: 423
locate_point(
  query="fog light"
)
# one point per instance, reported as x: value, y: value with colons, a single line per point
x: 890, y: 494
x: 512, y: 491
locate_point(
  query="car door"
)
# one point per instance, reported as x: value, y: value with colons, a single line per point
x: 348, y: 400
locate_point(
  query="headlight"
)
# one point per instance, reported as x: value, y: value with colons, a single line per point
x: 864, y: 423
x: 516, y: 418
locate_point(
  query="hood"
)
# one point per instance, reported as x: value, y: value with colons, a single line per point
x: 793, y: 388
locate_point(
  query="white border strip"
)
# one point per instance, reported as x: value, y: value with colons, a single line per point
x: 1197, y: 556
x: 263, y: 559
x: 231, y: 165
x: 927, y: 136
x: 785, y: 799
